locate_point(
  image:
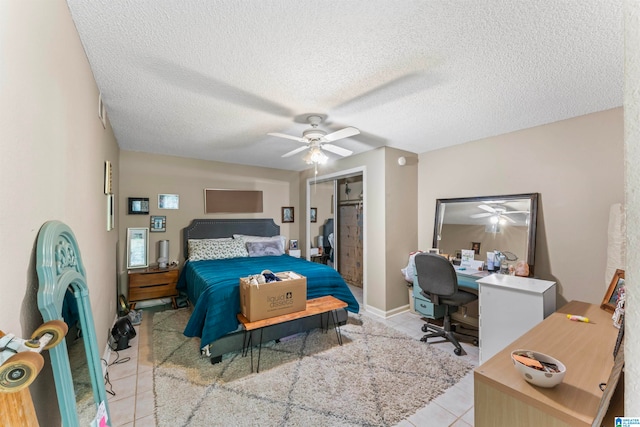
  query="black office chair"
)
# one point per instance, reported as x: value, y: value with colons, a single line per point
x: 438, y: 281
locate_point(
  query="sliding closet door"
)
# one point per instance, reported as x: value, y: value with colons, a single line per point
x: 350, y: 230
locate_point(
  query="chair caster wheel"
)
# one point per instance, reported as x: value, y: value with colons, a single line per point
x: 425, y: 328
x: 423, y: 339
x: 476, y: 343
x: 457, y: 351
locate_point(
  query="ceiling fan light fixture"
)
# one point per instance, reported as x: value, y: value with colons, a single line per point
x: 315, y: 155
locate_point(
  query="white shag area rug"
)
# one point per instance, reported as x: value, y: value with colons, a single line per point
x: 378, y: 377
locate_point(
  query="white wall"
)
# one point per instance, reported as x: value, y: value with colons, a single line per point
x: 51, y: 167
x: 632, y: 184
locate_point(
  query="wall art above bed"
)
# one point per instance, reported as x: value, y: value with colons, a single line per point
x: 232, y: 201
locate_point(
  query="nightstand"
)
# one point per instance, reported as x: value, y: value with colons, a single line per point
x: 153, y: 283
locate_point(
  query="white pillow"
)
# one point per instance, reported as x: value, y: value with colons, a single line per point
x: 247, y: 239
x: 202, y: 249
x: 266, y: 248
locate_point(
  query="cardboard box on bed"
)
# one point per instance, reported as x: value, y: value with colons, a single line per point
x: 272, y: 299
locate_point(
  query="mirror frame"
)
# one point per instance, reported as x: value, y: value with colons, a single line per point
x: 533, y: 219
x: 59, y: 266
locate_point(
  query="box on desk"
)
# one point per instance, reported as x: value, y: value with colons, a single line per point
x: 261, y: 301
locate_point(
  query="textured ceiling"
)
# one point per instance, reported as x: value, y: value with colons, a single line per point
x: 209, y: 79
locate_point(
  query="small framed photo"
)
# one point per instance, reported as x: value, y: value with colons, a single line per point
x: 476, y: 247
x: 313, y: 215
x: 137, y: 247
x: 287, y: 214
x: 168, y: 201
x: 293, y: 244
x: 158, y: 223
x: 610, y: 300
x: 110, y: 212
x: 138, y: 206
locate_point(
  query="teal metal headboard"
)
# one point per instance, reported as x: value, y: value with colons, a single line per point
x: 59, y: 266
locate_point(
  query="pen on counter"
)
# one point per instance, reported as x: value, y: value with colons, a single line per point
x: 577, y: 318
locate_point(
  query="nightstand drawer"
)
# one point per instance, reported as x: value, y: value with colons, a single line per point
x: 152, y: 278
x: 152, y: 292
x: 153, y: 283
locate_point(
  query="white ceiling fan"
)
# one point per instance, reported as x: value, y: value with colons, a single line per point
x: 497, y: 212
x: 316, y: 140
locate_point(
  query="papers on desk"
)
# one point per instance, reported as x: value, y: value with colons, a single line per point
x: 470, y: 267
x: 467, y: 255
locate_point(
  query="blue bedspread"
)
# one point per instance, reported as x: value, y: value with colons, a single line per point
x: 213, y: 289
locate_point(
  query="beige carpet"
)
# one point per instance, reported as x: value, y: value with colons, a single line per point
x: 377, y: 378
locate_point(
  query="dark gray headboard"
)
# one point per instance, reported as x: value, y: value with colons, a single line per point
x: 327, y: 229
x: 216, y: 228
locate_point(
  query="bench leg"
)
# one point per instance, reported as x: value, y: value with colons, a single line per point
x: 259, y: 351
x: 336, y: 325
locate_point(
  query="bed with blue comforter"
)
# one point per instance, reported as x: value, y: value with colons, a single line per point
x: 213, y: 288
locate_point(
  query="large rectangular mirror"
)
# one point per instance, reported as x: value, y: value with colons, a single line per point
x: 489, y: 223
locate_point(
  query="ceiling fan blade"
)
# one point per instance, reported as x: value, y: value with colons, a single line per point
x: 480, y: 215
x: 342, y: 133
x: 284, y: 135
x: 296, y: 151
x: 200, y: 83
x: 337, y: 150
x: 487, y: 208
x: 507, y: 218
x: 512, y: 212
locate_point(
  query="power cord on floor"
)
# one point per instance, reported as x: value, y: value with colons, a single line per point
x: 118, y: 361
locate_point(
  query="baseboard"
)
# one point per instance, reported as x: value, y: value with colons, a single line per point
x: 387, y: 314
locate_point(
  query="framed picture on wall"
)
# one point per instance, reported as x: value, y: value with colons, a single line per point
x: 168, y: 201
x: 158, y: 223
x: 476, y: 247
x: 313, y: 215
x: 138, y: 206
x: 287, y: 214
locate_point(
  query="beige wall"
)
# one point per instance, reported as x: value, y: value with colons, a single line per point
x: 390, y: 217
x: 577, y: 167
x: 147, y: 175
x: 51, y: 167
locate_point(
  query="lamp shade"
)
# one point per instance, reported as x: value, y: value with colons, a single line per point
x: 163, y: 253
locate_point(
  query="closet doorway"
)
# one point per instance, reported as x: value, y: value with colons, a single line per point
x: 337, y: 203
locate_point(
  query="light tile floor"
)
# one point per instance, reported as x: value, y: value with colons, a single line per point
x: 132, y: 381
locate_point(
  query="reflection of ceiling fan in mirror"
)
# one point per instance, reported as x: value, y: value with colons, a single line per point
x: 497, y: 214
x: 316, y: 140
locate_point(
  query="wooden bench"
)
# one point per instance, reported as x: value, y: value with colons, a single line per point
x: 315, y: 306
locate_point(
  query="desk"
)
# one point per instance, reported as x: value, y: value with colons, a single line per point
x: 467, y: 281
x: 503, y: 398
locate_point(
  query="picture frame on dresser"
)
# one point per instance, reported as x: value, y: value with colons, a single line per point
x: 610, y: 299
x: 137, y: 247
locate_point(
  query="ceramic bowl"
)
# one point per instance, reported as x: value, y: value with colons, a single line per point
x: 536, y: 376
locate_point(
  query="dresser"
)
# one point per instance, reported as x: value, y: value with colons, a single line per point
x: 153, y: 283
x: 503, y: 398
x: 509, y: 306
